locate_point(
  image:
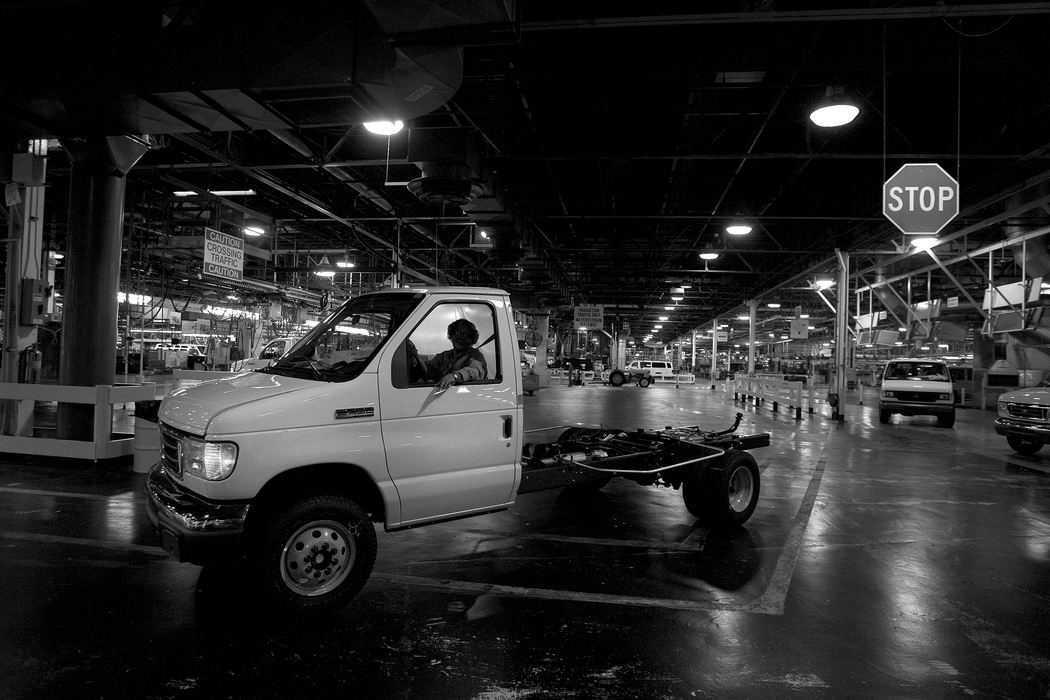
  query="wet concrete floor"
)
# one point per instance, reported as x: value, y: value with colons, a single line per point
x: 883, y: 561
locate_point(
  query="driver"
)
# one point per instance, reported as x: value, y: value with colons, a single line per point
x: 463, y: 363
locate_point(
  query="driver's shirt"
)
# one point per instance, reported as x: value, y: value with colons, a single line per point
x: 469, y: 363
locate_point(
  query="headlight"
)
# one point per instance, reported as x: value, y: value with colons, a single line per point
x: 944, y: 397
x: 213, y: 461
x: 889, y: 394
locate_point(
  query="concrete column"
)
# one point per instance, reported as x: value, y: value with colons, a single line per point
x: 89, y: 329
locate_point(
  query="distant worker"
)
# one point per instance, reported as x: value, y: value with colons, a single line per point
x: 463, y: 363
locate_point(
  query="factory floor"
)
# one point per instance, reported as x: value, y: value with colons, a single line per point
x: 884, y: 561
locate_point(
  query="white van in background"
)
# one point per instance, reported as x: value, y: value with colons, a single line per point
x: 654, y: 368
x: 917, y: 387
x: 266, y: 357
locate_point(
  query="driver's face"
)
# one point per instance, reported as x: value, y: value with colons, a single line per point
x: 459, y: 342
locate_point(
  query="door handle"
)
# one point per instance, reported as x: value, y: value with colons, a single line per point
x: 508, y: 424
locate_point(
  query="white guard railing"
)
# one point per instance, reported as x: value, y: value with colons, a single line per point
x: 102, y: 444
x: 793, y: 395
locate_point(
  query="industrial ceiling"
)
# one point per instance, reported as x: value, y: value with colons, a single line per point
x: 600, y: 145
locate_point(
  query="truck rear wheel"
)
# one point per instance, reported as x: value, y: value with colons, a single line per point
x: 316, y: 554
x: 643, y: 382
x: 616, y: 378
x: 726, y: 496
x: 1024, y: 445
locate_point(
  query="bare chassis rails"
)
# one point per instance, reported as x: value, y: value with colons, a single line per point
x: 710, y: 467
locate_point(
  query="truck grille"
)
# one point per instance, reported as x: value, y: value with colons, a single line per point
x: 1028, y: 411
x: 922, y: 396
x: 169, y: 448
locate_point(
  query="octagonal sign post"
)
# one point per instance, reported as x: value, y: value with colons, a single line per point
x: 920, y: 198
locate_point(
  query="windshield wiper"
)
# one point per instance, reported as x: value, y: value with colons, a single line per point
x: 298, y: 363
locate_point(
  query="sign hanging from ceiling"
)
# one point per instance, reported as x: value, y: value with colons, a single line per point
x: 589, y: 316
x: 920, y: 198
x: 799, y: 329
x: 223, y: 255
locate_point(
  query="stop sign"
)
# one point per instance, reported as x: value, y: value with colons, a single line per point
x: 920, y: 198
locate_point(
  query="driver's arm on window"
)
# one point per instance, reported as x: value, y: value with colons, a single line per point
x: 472, y: 371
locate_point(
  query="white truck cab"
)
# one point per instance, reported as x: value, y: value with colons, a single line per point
x: 917, y: 386
x: 1024, y: 417
x: 296, y: 460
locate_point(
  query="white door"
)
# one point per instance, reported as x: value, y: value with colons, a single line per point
x: 456, y: 451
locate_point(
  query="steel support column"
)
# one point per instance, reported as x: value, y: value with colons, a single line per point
x: 841, y: 338
x: 96, y: 206
x: 714, y: 353
x: 752, y: 324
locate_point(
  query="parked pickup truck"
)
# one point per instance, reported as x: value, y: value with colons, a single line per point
x: 290, y: 466
x: 1024, y: 417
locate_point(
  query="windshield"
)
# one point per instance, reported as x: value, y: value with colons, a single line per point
x: 340, y: 347
x: 917, y: 371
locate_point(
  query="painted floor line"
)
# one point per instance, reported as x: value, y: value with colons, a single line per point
x: 772, y: 599
x: 82, y: 542
x: 693, y: 543
x: 476, y: 588
x: 72, y: 494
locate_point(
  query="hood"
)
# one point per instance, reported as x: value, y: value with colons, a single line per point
x: 1039, y: 395
x: 191, y: 409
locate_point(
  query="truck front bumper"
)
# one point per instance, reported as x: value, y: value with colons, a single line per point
x: 191, y: 528
x: 1009, y: 426
x: 914, y: 408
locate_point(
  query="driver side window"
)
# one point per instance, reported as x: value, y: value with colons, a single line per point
x: 428, y: 353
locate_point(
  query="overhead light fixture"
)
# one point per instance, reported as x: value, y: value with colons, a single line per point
x: 254, y: 227
x: 773, y: 305
x: 184, y: 193
x: 345, y: 263
x: 738, y: 229
x: 662, y: 318
x: 677, y: 290
x: 668, y: 308
x: 676, y: 299
x: 743, y: 318
x: 709, y: 255
x: 803, y: 315
x: 824, y: 283
x: 325, y: 269
x: 836, y: 109
x: 231, y: 193
x: 384, y: 128
x: 924, y: 242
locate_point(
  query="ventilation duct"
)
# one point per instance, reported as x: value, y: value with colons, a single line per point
x: 178, y: 68
x: 450, y: 162
x: 1035, y: 252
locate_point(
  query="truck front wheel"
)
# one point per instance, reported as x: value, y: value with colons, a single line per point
x: 316, y: 554
x: 1024, y: 445
x: 727, y: 496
